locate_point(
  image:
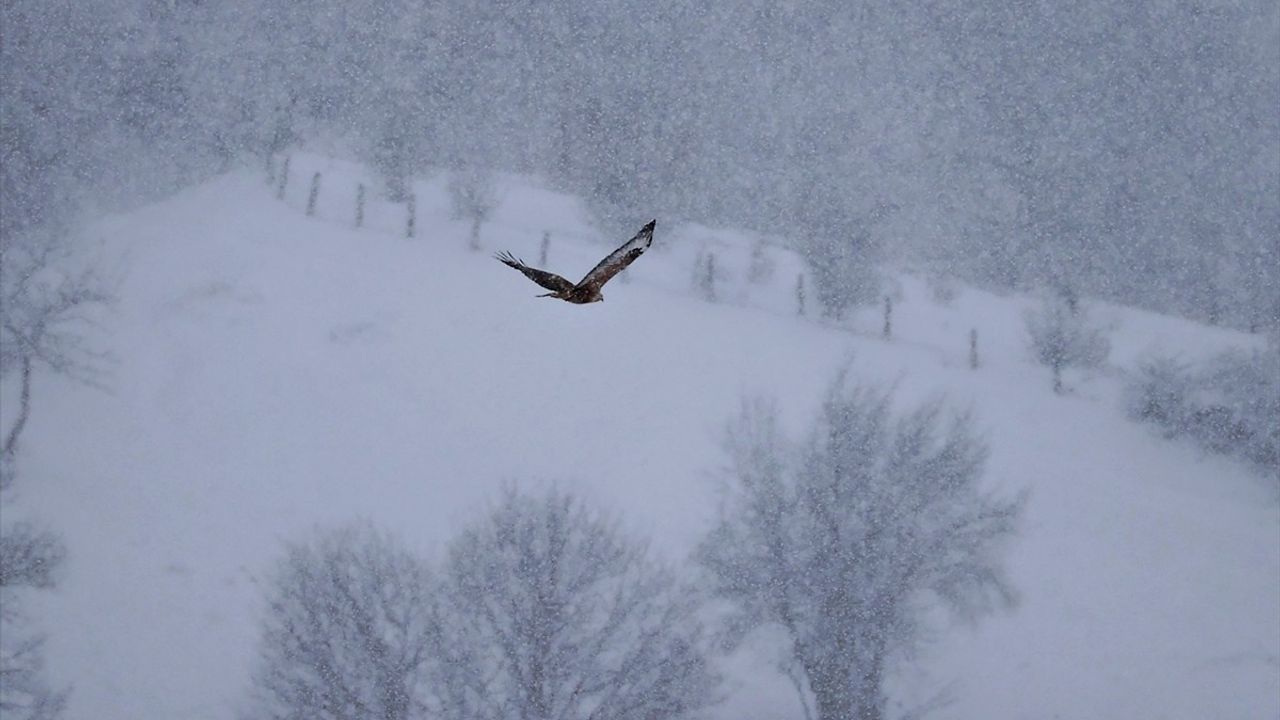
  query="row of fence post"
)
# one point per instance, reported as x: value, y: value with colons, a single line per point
x: 313, y: 197
x: 887, y: 331
x: 706, y: 272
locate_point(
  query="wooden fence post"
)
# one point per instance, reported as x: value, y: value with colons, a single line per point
x: 800, y: 294
x: 360, y: 205
x: 546, y: 248
x: 412, y: 202
x: 284, y: 178
x: 888, y: 317
x: 315, y: 195
x: 973, y: 349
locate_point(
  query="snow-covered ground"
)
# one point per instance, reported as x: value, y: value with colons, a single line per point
x: 273, y: 372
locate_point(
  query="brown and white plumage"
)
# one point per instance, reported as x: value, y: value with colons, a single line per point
x: 587, y: 290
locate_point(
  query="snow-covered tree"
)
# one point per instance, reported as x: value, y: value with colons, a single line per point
x: 1159, y: 391
x: 762, y: 265
x: 1062, y: 336
x: 1229, y: 405
x: 842, y: 271
x: 831, y: 229
x: 552, y: 612
x: 1239, y: 406
x: 28, y: 557
x: 846, y: 540
x: 348, y: 634
x: 473, y: 193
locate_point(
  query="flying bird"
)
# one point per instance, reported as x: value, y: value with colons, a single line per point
x: 588, y: 288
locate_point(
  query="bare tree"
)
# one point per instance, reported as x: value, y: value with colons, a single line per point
x: 844, y: 275
x: 348, y: 634
x: 1238, y: 409
x: 24, y: 693
x: 833, y: 236
x: 43, y: 314
x: 943, y: 288
x: 1062, y: 336
x: 473, y: 194
x: 762, y: 266
x: 391, y: 159
x: 44, y: 311
x: 1230, y: 404
x: 846, y: 540
x: 553, y: 613
x: 27, y: 559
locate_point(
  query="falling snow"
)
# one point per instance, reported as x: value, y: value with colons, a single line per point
x: 997, y: 284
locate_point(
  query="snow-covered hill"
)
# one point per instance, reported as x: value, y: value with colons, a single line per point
x: 274, y: 371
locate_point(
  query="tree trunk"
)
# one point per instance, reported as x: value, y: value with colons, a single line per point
x: 844, y: 693
x: 24, y: 411
x: 314, y: 195
x: 841, y: 702
x: 835, y: 706
x: 868, y: 699
x: 832, y: 697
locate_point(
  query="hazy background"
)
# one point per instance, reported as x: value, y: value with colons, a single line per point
x: 996, y: 209
x: 1129, y: 151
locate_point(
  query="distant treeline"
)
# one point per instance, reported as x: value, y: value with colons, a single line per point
x: 1129, y: 151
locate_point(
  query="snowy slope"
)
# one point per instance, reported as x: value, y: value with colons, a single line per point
x: 273, y: 372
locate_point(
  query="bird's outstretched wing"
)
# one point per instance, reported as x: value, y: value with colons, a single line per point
x: 550, y: 281
x: 619, y: 259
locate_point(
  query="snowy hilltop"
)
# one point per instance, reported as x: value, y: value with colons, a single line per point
x: 287, y: 365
